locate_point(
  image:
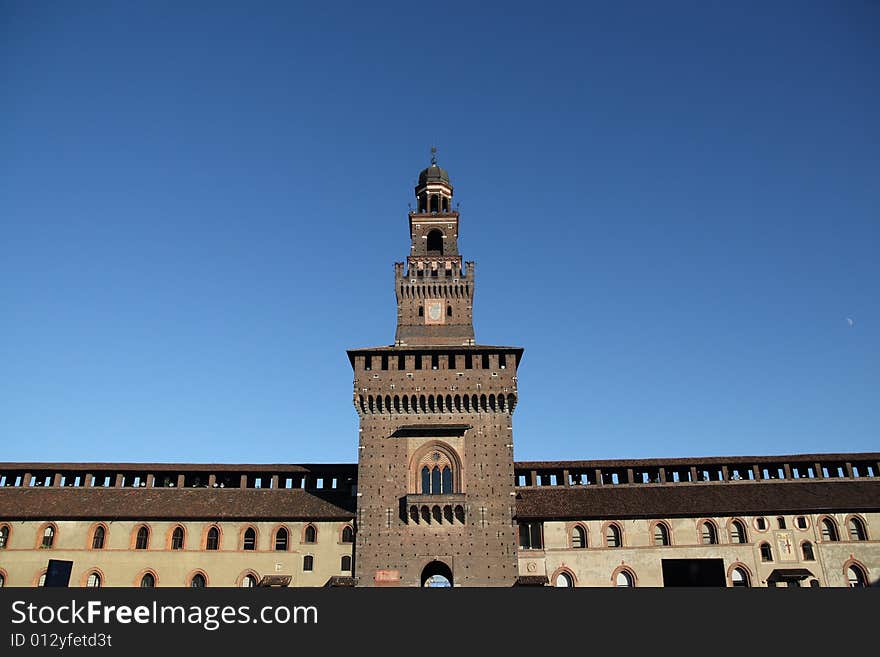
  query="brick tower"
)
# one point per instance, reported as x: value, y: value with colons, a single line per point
x: 435, y: 462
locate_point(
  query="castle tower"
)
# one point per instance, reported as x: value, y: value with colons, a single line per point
x: 435, y: 464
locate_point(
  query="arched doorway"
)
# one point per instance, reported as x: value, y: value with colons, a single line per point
x: 436, y: 575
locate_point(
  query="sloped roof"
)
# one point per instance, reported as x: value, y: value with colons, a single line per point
x: 688, y: 500
x: 177, y: 503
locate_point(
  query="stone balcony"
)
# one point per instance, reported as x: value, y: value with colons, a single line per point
x: 448, y: 509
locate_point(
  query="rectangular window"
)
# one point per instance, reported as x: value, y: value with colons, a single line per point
x: 530, y: 536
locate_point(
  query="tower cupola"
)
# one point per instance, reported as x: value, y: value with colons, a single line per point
x: 434, y: 191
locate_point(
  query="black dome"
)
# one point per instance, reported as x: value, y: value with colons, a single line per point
x: 433, y: 174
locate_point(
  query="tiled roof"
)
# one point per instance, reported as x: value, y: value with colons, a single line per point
x: 678, y: 500
x: 177, y: 503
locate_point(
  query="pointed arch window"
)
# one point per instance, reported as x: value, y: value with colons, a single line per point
x: 709, y: 533
x: 94, y: 580
x: 829, y: 530
x: 661, y: 534
x: 311, y: 534
x: 738, y: 532
x: 347, y: 534
x: 624, y: 579
x: 578, y: 537
x: 48, y: 537
x: 250, y: 539
x: 148, y: 581
x: 281, y: 540
x: 98, y: 538
x: 563, y: 581
x: 613, y: 536
x: 213, y: 540
x: 142, y: 539
x: 198, y: 581
x: 739, y: 578
x: 856, y: 577
x: 4, y: 536
x: 248, y: 581
x: 177, y: 538
x: 857, y: 530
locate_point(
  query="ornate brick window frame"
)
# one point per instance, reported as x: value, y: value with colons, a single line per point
x: 133, y: 539
x: 623, y: 568
x: 84, y: 579
x: 739, y: 565
x: 620, y: 535
x: 41, y: 532
x: 140, y: 576
x: 563, y: 570
x: 90, y: 544
x: 434, y: 452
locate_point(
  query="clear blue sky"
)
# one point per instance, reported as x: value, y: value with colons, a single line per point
x: 673, y: 208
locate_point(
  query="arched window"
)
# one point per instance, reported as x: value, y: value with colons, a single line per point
x: 421, y: 311
x: 142, y: 539
x: 98, y: 538
x: 48, y: 537
x: 612, y: 536
x: 578, y: 537
x: 435, y: 242
x: 148, y: 581
x: 807, y: 551
x: 198, y: 581
x: 248, y: 581
x: 857, y: 530
x: 739, y: 577
x: 250, y: 539
x: 281, y: 540
x: 738, y: 532
x: 856, y: 577
x: 177, y: 539
x: 308, y: 562
x: 563, y: 581
x: 213, y: 540
x: 311, y: 534
x: 94, y: 581
x: 345, y: 566
x: 661, y: 534
x: 780, y: 522
x: 708, y: 533
x: 42, y: 580
x: 347, y: 534
x: 624, y: 579
x: 829, y: 530
x: 447, y: 479
x: 434, y: 471
x: 4, y: 536
x: 449, y: 311
x: 766, y: 552
x: 2, y: 580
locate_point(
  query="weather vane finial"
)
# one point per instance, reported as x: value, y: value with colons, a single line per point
x: 433, y: 155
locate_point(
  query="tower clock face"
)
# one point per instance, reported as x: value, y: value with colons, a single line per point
x: 434, y: 312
